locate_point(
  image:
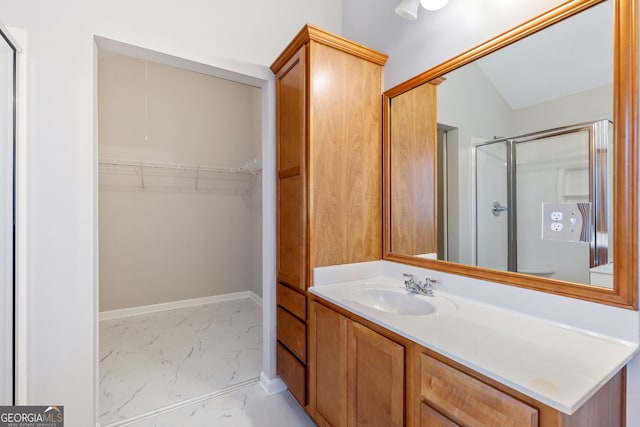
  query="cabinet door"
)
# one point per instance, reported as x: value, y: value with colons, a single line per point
x: 291, y: 185
x: 327, y: 366
x: 376, y: 379
x: 345, y: 157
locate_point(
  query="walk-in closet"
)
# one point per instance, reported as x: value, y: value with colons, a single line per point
x: 180, y: 217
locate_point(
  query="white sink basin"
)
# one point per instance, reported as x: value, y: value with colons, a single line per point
x: 391, y: 301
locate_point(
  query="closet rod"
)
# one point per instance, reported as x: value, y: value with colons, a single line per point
x: 178, y: 166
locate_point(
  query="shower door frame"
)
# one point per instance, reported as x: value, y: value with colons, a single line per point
x: 598, y: 189
x: 13, y: 149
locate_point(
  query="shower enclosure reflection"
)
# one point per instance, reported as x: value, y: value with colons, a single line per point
x: 515, y: 177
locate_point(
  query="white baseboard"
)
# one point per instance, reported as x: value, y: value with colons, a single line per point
x: 153, y: 308
x: 272, y: 386
x: 255, y: 297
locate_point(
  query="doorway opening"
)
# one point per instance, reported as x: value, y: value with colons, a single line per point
x: 180, y: 236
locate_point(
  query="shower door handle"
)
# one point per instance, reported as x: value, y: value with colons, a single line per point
x: 497, y: 209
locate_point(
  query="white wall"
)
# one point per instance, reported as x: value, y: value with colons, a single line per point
x: 170, y: 241
x: 587, y: 106
x: 255, y: 209
x: 414, y: 47
x: 62, y: 152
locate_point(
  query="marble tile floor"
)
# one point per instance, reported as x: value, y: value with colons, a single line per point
x: 152, y: 361
x: 248, y: 406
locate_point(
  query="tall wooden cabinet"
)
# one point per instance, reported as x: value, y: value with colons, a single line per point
x: 329, y: 174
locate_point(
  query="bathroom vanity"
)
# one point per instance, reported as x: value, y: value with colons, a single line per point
x: 380, y: 355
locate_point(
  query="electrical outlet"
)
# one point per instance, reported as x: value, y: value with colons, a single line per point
x: 568, y: 222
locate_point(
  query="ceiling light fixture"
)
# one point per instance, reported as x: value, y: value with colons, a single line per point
x: 433, y: 4
x: 408, y: 9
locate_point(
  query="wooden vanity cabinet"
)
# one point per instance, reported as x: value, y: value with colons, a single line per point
x: 329, y: 175
x: 356, y: 375
x: 361, y: 374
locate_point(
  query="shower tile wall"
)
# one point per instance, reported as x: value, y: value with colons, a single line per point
x: 150, y: 361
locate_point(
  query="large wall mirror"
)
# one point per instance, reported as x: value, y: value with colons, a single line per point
x: 516, y: 162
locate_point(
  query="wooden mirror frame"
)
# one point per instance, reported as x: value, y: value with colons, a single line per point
x: 625, y: 176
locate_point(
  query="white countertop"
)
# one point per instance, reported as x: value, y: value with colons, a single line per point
x: 556, y: 364
x: 603, y: 269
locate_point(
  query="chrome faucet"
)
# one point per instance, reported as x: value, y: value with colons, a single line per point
x: 418, y: 287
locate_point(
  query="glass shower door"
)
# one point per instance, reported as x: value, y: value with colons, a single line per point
x: 491, y: 204
x: 552, y: 169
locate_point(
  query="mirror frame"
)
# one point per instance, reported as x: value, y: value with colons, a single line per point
x: 625, y: 177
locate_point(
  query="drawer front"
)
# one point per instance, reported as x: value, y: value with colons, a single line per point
x: 293, y: 301
x: 469, y: 401
x: 292, y: 333
x: 292, y: 373
x: 429, y: 417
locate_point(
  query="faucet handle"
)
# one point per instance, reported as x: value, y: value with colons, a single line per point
x: 410, y: 284
x: 427, y: 288
x: 410, y: 281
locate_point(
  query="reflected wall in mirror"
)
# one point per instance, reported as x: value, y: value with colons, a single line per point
x: 499, y: 164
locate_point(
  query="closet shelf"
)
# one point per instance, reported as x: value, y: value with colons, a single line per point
x: 252, y: 167
x: 122, y: 173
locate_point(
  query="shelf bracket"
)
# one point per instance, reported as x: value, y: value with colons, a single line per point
x: 141, y: 176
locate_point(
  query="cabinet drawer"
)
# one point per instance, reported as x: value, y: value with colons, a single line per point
x: 429, y: 417
x: 293, y: 301
x: 292, y: 373
x: 469, y: 401
x: 292, y: 333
